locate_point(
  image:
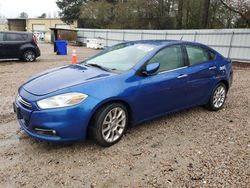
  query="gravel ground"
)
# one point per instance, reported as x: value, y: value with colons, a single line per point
x: 192, y: 148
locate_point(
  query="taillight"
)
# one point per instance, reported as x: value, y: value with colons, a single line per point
x: 34, y: 39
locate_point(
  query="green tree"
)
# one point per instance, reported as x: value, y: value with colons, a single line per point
x: 156, y: 14
x: 180, y: 14
x: 240, y: 7
x: 143, y: 14
x: 70, y: 9
x: 191, y: 14
x: 205, y: 14
x: 23, y: 15
x: 97, y: 14
x: 43, y: 15
x: 123, y: 16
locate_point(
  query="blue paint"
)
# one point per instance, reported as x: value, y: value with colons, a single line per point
x: 147, y: 96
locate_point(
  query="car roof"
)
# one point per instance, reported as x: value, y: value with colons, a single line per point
x: 165, y: 42
x: 152, y: 42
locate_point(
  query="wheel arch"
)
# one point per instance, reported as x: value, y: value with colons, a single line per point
x: 110, y: 101
x: 224, y: 82
x: 25, y: 49
x: 208, y: 104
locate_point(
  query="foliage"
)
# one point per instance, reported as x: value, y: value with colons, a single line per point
x: 23, y: 15
x: 43, y: 16
x: 97, y: 14
x: 157, y: 14
x: 70, y: 9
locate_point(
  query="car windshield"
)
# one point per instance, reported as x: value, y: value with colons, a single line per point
x: 121, y: 57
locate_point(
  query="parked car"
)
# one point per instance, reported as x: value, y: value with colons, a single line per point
x: 123, y: 85
x: 22, y: 45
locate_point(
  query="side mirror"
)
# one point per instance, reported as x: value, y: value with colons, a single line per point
x: 151, y: 69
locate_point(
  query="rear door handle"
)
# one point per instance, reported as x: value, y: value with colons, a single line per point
x: 212, y: 68
x: 182, y: 76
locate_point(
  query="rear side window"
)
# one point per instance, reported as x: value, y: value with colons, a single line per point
x: 197, y: 55
x: 169, y: 58
x: 15, y: 37
x: 1, y: 36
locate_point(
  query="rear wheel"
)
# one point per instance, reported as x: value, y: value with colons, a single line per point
x: 29, y: 56
x: 109, y: 124
x: 218, y: 97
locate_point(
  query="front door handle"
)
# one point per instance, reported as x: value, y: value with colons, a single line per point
x: 212, y: 68
x: 182, y: 76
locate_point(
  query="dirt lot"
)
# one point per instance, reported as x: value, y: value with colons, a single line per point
x: 192, y: 148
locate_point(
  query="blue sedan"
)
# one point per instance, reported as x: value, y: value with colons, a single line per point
x: 123, y: 85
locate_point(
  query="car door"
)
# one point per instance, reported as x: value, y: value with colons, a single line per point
x: 1, y: 46
x: 202, y: 71
x: 164, y: 91
x: 12, y: 43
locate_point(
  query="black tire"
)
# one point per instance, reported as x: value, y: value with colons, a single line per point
x: 212, y: 105
x: 97, y: 125
x: 29, y: 56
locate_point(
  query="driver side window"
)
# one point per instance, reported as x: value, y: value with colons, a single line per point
x: 1, y: 36
x: 169, y: 58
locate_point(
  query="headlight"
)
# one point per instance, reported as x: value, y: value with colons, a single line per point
x: 63, y: 100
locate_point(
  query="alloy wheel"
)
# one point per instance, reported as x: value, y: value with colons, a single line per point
x: 29, y: 56
x: 219, y: 97
x: 114, y: 124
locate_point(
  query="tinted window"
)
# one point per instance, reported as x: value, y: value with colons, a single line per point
x: 15, y: 37
x: 212, y: 55
x: 197, y: 55
x: 1, y: 36
x: 169, y: 58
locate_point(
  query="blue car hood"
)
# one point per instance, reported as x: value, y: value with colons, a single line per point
x: 63, y: 77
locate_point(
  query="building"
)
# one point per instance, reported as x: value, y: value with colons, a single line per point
x: 39, y: 26
x: 3, y: 25
x: 64, y: 34
x: 17, y: 24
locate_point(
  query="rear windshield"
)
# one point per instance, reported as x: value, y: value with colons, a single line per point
x: 15, y: 37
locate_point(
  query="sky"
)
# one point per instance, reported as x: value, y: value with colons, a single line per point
x: 34, y: 8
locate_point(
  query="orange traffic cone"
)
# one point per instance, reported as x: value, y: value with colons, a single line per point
x: 74, y: 57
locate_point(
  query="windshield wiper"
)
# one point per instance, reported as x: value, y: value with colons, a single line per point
x: 98, y: 66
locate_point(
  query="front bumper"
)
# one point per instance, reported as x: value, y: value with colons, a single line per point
x: 68, y: 124
x: 38, y: 52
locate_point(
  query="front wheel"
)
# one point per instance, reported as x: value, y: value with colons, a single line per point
x: 29, y: 56
x: 218, y: 97
x: 109, y: 124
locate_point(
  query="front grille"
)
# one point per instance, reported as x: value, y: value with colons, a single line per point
x: 23, y: 102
